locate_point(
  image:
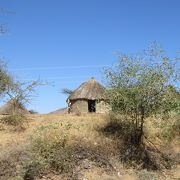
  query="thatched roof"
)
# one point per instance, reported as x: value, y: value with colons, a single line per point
x: 91, y: 90
x: 13, y: 107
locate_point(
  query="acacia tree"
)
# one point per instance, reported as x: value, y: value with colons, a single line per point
x: 138, y: 86
x: 5, y: 79
x: 67, y: 91
x: 21, y: 93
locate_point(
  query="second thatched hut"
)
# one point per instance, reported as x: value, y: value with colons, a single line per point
x: 88, y: 97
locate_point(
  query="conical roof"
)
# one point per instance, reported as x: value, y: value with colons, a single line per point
x: 11, y: 107
x: 91, y: 90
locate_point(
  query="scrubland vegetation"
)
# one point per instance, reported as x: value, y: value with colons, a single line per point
x: 138, y: 139
x: 87, y: 147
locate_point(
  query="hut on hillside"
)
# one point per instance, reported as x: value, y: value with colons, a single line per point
x: 13, y: 107
x: 88, y: 97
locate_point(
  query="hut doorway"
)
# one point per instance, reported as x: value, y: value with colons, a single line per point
x: 91, y: 106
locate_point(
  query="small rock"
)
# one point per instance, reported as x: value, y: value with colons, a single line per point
x: 119, y: 174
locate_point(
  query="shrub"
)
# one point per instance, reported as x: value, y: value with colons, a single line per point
x: 49, y: 151
x: 11, y: 161
x: 140, y: 86
x: 19, y: 121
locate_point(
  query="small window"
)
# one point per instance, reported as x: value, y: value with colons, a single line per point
x: 91, y: 106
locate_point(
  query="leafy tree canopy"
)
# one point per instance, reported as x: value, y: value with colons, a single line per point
x: 140, y: 85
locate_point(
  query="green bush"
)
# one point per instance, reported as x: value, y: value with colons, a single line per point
x: 49, y: 151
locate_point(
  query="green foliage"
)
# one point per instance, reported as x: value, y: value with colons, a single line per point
x: 5, y: 78
x: 170, y: 103
x: 139, y: 86
x: 49, y: 151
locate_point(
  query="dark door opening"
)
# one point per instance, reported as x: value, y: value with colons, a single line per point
x: 91, y: 106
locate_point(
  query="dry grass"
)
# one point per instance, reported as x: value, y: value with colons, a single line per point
x: 165, y: 134
x: 92, y: 155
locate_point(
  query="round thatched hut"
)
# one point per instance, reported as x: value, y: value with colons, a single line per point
x: 88, y: 97
x: 13, y: 107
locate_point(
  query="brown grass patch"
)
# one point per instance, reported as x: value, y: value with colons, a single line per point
x: 63, y: 146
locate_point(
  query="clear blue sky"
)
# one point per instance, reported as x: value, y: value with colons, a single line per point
x: 69, y: 41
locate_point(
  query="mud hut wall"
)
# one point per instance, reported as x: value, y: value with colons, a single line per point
x: 79, y: 106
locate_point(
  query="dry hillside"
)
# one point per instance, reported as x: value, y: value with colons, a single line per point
x: 74, y: 147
